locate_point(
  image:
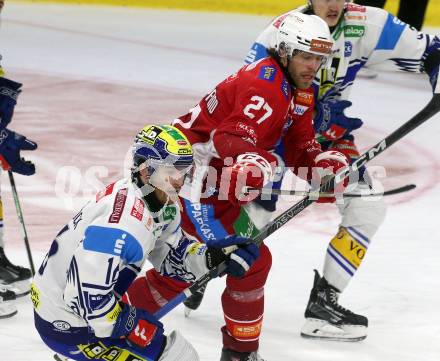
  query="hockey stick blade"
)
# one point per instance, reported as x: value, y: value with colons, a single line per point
x: 287, y: 192
x: 432, y: 108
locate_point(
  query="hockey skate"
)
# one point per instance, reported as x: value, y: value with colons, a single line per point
x: 14, y: 278
x: 326, y: 319
x: 193, y: 302
x: 7, y: 307
x: 230, y: 355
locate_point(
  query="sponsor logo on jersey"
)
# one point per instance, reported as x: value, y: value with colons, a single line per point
x: 285, y: 88
x: 35, y: 296
x: 250, y: 134
x: 354, y: 31
x: 114, y: 313
x: 119, y: 244
x: 304, y: 97
x: 104, y: 192
x: 267, y: 73
x: 355, y: 17
x: 138, y: 209
x: 300, y: 109
x: 203, y: 218
x: 356, y: 7
x: 197, y: 249
x: 97, y: 302
x: 321, y: 46
x: 61, y: 325
x: 118, y: 206
x: 149, y: 223
x: 348, y: 49
x: 169, y: 213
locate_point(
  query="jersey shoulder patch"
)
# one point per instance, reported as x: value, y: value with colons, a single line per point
x: 113, y: 241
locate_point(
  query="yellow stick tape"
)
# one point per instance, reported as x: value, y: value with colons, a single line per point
x: 260, y: 7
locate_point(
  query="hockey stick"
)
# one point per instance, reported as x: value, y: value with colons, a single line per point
x: 432, y: 108
x: 287, y: 192
x: 20, y: 218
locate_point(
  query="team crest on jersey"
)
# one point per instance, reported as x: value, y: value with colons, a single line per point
x: 267, y: 73
x: 348, y: 49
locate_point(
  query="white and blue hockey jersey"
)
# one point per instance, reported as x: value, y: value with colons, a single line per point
x: 365, y: 36
x: 96, y: 256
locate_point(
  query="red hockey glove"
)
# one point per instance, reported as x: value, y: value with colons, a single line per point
x: 250, y: 170
x: 328, y: 163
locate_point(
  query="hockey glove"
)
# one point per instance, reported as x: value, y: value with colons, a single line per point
x: 139, y: 327
x: 9, y: 91
x: 327, y: 164
x: 431, y: 63
x: 11, y: 144
x: 330, y: 121
x: 250, y: 170
x: 239, y: 261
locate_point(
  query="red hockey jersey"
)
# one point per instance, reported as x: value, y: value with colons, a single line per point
x: 251, y: 112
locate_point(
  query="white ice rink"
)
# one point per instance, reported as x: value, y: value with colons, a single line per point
x: 93, y: 76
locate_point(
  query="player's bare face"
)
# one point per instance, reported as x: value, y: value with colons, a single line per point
x: 303, y: 68
x: 329, y: 10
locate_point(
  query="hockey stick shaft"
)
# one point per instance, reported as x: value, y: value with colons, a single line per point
x: 287, y: 192
x: 426, y: 113
x: 21, y: 220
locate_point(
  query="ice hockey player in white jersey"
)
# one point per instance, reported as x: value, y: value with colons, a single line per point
x: 95, y: 257
x: 363, y: 36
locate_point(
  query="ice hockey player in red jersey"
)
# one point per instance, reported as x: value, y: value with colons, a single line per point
x: 233, y: 131
x: 363, y: 36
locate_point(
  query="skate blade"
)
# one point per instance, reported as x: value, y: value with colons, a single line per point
x: 187, y: 311
x: 322, y: 330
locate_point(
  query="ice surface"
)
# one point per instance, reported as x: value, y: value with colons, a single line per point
x: 93, y: 76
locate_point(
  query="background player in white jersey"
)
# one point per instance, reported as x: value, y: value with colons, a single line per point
x: 96, y: 256
x: 13, y: 279
x: 363, y: 36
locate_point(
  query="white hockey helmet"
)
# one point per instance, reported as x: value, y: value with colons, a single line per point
x: 301, y: 32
